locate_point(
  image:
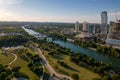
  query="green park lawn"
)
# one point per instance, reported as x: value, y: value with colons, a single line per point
x: 84, y: 74
x: 24, y: 68
x: 5, y: 58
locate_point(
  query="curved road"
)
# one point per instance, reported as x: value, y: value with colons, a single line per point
x: 50, y: 69
x: 13, y: 60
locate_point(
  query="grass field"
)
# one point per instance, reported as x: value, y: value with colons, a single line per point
x: 23, y: 63
x: 83, y: 73
x: 5, y: 58
x: 46, y: 74
x: 24, y: 68
x: 31, y: 51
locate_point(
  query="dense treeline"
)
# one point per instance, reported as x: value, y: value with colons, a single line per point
x: 109, y: 50
x: 95, y: 66
x: 5, y: 73
x: 11, y: 29
x: 8, y: 74
x: 53, y: 48
x: 102, y: 49
x: 6, y: 41
x: 85, y: 44
x: 57, y: 36
x: 35, y: 65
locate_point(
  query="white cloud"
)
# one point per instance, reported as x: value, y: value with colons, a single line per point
x: 9, y: 2
x: 6, y: 14
x: 91, y: 19
x: 113, y: 16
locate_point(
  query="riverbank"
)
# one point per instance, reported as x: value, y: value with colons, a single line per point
x: 80, y: 71
x: 92, y: 49
x: 76, y: 49
x: 54, y: 53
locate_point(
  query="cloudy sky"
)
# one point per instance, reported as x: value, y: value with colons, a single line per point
x: 58, y: 10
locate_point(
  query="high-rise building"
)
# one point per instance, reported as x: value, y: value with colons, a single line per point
x: 77, y: 27
x: 85, y: 26
x: 104, y: 21
x: 111, y: 23
x: 113, y: 37
x: 94, y: 28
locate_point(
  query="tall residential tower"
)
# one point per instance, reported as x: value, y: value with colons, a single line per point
x: 85, y: 26
x: 77, y: 27
x: 104, y: 21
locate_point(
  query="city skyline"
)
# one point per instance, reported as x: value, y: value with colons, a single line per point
x: 58, y: 10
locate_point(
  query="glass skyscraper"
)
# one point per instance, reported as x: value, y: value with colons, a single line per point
x: 104, y: 21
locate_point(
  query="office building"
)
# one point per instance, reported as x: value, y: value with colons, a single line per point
x: 111, y: 24
x: 77, y: 27
x: 104, y: 20
x: 85, y: 26
x: 92, y: 28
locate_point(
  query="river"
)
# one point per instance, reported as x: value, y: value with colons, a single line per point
x: 115, y: 62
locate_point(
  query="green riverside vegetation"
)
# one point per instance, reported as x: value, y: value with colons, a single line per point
x: 59, y: 58
x: 106, y: 50
x: 55, y: 52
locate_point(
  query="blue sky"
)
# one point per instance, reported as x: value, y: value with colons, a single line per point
x: 58, y: 10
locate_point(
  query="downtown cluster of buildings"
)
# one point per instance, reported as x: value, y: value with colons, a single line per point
x: 109, y: 33
x: 94, y: 28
